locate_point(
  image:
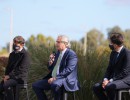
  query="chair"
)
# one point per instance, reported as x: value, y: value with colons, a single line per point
x: 121, y: 91
x: 21, y: 86
x: 65, y: 95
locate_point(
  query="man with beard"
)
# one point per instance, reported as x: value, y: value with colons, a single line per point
x: 17, y: 69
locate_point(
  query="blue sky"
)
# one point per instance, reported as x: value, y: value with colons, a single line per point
x: 53, y: 17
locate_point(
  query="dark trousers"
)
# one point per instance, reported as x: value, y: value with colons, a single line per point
x: 43, y: 84
x: 109, y: 93
x: 6, y: 89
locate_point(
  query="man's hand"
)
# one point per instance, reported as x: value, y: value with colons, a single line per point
x: 6, y: 77
x: 51, y: 59
x: 51, y: 80
x: 105, y: 82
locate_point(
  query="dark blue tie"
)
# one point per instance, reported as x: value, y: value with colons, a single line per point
x: 115, y: 57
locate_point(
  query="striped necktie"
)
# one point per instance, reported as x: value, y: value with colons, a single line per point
x: 54, y: 72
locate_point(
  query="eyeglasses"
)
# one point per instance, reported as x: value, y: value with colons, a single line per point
x: 17, y: 42
x: 60, y: 42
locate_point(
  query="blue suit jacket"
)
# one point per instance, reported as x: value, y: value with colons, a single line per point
x: 67, y: 70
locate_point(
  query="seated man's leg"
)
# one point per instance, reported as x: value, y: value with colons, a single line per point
x: 1, y: 91
x: 39, y: 88
x: 8, y: 88
x: 99, y: 91
x: 112, y: 88
x: 56, y: 88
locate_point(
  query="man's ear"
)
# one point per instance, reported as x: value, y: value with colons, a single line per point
x: 66, y: 44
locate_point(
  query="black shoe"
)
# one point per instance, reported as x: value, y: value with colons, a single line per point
x: 1, y: 96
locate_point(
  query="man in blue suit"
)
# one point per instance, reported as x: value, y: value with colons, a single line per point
x: 117, y: 75
x: 63, y: 71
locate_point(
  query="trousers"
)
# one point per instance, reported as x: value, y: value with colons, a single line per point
x: 6, y: 89
x: 109, y: 93
x: 41, y: 85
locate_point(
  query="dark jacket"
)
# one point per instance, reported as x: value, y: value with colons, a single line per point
x: 18, y: 64
x: 121, y: 69
x: 67, y: 70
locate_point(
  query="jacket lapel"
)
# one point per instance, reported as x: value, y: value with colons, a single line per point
x: 121, y: 54
x: 20, y: 57
x: 56, y: 58
x: 63, y: 61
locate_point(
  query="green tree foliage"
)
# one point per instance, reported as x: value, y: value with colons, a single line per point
x: 3, y: 64
x: 78, y: 46
x: 40, y: 39
x: 94, y: 38
x: 115, y: 29
x: 32, y: 38
x: 3, y: 52
x: 125, y: 33
x: 127, y: 38
x: 50, y: 41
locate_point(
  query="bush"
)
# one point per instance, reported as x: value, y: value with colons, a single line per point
x: 91, y: 68
x: 3, y: 64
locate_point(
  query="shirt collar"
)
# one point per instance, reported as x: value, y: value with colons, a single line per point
x: 120, y: 49
x: 19, y: 50
x: 62, y: 52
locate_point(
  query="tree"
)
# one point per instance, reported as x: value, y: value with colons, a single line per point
x: 31, y: 40
x: 94, y: 38
x: 50, y: 41
x: 115, y: 29
x: 40, y: 40
x: 127, y: 38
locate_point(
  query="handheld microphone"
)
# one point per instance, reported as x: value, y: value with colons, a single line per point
x: 52, y: 56
x: 54, y: 53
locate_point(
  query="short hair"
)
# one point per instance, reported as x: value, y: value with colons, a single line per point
x: 19, y: 39
x: 117, y: 38
x: 65, y: 39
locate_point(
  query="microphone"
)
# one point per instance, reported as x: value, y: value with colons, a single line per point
x: 54, y: 53
x: 52, y: 57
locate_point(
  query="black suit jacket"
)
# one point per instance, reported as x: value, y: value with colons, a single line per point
x: 121, y: 69
x: 17, y: 67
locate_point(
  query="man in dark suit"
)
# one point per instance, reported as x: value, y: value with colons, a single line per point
x: 63, y: 71
x: 117, y: 75
x: 17, y: 68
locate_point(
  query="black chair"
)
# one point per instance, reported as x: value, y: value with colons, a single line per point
x: 121, y: 91
x: 11, y: 90
x: 65, y: 95
x: 21, y: 86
